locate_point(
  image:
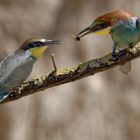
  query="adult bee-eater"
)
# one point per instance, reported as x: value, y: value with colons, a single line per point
x: 123, y: 27
x: 15, y: 68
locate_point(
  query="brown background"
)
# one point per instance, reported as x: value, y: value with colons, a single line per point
x: 105, y: 106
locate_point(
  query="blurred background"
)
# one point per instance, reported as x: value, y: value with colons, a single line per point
x: 104, y: 106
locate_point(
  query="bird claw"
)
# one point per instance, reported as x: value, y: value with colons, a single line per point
x: 117, y: 55
x: 114, y: 55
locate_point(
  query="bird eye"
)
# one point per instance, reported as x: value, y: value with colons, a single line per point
x: 104, y: 25
x: 36, y: 44
x: 100, y: 26
x: 33, y: 45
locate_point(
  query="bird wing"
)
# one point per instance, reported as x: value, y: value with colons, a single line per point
x: 138, y: 27
x: 6, y: 66
x: 11, y: 65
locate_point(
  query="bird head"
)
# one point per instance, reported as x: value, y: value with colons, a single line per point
x: 105, y: 23
x: 36, y: 47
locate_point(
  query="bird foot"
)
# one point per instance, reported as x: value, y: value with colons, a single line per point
x: 132, y: 50
x: 115, y: 55
x: 118, y: 54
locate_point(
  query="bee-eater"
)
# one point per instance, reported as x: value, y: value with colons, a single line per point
x: 15, y: 68
x: 123, y: 27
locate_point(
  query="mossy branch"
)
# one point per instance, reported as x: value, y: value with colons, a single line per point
x: 66, y: 75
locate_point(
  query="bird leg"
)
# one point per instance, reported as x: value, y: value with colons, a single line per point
x: 53, y: 61
x: 131, y: 48
x: 114, y: 50
x: 117, y: 53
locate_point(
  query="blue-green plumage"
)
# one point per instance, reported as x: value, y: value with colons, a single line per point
x: 125, y: 33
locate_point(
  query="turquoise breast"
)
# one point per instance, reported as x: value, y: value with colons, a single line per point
x: 125, y: 33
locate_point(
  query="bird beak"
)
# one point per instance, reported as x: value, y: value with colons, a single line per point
x: 83, y: 33
x: 89, y: 30
x: 51, y: 42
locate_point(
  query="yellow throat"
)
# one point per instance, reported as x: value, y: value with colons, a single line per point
x: 105, y: 31
x: 37, y: 52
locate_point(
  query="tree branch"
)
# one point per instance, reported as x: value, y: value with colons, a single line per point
x: 66, y: 75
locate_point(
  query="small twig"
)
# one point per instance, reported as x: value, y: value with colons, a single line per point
x: 53, y: 61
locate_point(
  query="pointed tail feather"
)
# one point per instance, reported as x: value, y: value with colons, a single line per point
x: 125, y: 68
x: 4, y: 92
x: 3, y: 96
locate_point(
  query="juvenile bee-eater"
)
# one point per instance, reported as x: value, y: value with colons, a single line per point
x: 15, y: 68
x: 123, y: 27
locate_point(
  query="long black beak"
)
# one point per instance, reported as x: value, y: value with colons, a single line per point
x: 83, y: 33
x: 50, y: 42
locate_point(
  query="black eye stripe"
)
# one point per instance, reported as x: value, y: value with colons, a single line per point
x: 104, y: 25
x: 37, y: 43
x: 33, y: 45
x: 100, y: 26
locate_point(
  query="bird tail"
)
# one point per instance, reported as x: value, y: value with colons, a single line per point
x: 4, y: 92
x: 125, y: 68
x: 3, y: 96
